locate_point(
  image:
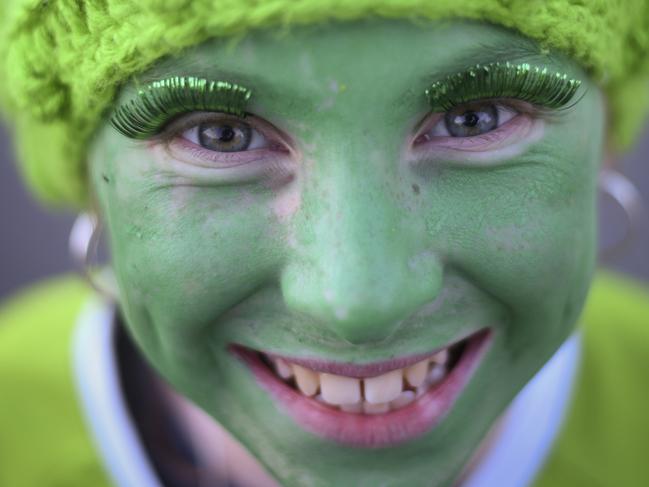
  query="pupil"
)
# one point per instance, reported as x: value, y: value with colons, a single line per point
x: 226, y: 133
x: 471, y: 119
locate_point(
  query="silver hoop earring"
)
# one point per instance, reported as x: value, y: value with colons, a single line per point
x: 83, y: 242
x: 626, y: 195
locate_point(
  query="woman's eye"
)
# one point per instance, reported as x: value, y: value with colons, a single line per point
x: 471, y: 120
x: 226, y: 136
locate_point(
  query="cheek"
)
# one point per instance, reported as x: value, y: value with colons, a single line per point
x: 185, y: 254
x: 524, y: 233
x: 183, y: 257
x: 541, y: 261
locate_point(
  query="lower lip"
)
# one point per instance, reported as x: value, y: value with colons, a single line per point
x: 372, y: 431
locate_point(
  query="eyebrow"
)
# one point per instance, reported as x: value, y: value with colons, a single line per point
x: 487, y: 53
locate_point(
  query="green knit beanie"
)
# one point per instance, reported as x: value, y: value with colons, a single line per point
x: 62, y: 61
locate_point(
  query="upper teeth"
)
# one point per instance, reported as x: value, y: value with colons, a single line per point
x: 384, y: 388
x: 371, y: 395
x: 337, y: 389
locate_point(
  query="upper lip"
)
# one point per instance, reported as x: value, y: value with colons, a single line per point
x: 373, y: 369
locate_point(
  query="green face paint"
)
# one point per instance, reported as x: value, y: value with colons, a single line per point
x: 354, y: 228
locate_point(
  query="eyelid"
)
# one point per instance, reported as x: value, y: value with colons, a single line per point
x: 155, y: 105
x: 533, y: 84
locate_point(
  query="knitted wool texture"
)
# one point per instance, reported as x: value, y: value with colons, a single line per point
x: 62, y: 61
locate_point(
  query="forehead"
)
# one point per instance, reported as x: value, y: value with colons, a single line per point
x: 396, y: 60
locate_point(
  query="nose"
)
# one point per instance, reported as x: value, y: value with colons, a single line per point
x: 359, y: 263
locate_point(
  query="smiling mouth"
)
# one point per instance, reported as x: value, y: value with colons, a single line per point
x: 370, y: 405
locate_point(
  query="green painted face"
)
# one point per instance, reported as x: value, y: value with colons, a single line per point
x: 353, y: 229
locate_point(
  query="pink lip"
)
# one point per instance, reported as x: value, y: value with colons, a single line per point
x: 370, y: 431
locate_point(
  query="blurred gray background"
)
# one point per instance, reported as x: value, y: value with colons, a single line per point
x: 33, y: 241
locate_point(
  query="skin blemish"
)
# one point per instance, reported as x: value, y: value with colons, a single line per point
x: 417, y: 261
x: 291, y: 241
x: 287, y: 203
x: 328, y: 295
x: 508, y: 239
x: 181, y: 197
x: 337, y: 87
x: 329, y: 102
x: 341, y: 313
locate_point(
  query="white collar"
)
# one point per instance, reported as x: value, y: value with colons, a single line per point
x: 532, y: 423
x: 518, y: 454
x: 103, y: 402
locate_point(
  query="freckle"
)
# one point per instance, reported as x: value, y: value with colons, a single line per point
x: 415, y: 188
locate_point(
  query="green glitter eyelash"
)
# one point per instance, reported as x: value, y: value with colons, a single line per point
x: 503, y: 80
x: 156, y: 104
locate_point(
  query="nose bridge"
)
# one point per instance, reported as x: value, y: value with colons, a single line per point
x: 352, y: 268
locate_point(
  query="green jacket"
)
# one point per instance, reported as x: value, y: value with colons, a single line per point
x: 44, y: 442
